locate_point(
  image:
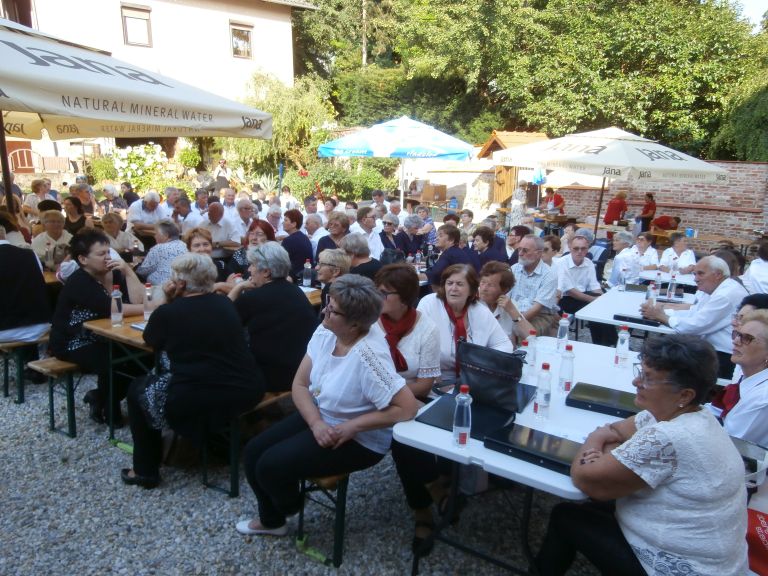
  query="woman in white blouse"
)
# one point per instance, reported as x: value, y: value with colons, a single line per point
x: 648, y: 257
x: 414, y: 345
x: 456, y: 312
x: 119, y: 239
x: 347, y: 396
x: 676, y: 477
x: 678, y: 253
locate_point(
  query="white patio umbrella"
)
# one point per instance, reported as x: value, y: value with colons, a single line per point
x: 611, y: 153
x: 73, y: 91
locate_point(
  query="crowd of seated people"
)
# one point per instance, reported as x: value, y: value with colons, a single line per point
x: 381, y: 344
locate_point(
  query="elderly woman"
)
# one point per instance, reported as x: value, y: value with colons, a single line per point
x: 348, y: 396
x: 259, y: 232
x: 13, y: 231
x: 120, y: 240
x: 616, y: 208
x: 408, y: 239
x: 156, y: 267
x: 213, y: 376
x: 496, y: 280
x: 648, y: 257
x: 677, y: 479
x: 388, y: 235
x: 428, y: 229
x: 626, y: 264
x: 298, y: 246
x: 483, y: 245
x: 277, y: 314
x: 678, y: 255
x: 200, y: 241
x: 338, y: 227
x: 76, y: 218
x: 356, y: 247
x: 112, y: 201
x: 456, y: 312
x: 86, y: 295
x: 51, y: 245
x: 330, y: 266
x: 741, y: 405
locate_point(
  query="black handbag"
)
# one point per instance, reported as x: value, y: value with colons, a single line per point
x: 493, y: 377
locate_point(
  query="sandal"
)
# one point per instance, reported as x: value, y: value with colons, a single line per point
x: 458, y: 506
x: 418, y: 545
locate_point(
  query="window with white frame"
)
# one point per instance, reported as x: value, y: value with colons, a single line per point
x: 241, y: 40
x: 137, y: 27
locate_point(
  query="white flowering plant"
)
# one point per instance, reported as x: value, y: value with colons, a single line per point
x: 140, y: 165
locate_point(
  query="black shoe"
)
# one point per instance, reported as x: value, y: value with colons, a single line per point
x: 146, y: 482
x: 418, y: 544
x: 95, y: 408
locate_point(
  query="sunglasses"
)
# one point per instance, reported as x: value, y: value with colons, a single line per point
x: 741, y: 338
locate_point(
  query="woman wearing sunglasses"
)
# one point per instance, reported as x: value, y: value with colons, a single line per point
x: 675, y: 476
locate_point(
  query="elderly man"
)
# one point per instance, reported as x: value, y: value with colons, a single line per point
x: 229, y: 202
x: 201, y: 201
x: 143, y: 216
x: 710, y: 316
x: 535, y: 289
x: 246, y: 213
x: 39, y: 193
x: 366, y: 225
x: 224, y: 235
x: 395, y: 208
x: 378, y: 199
x: 310, y: 205
x: 112, y: 201
x: 313, y: 228
x: 626, y: 263
x: 578, y: 285
x: 184, y: 216
x: 171, y: 195
x: 275, y: 219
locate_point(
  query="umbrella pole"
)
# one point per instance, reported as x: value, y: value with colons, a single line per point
x: 402, y: 183
x: 599, y: 207
x: 6, y: 170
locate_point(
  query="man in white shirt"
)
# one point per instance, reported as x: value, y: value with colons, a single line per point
x: 710, y: 317
x: 171, y: 195
x: 275, y: 218
x: 378, y: 199
x: 223, y: 232
x: 201, y: 202
x: 756, y: 276
x: 287, y: 200
x: 313, y: 228
x: 578, y: 285
x: 229, y: 202
x: 245, y: 216
x: 184, y: 216
x: 535, y: 289
x: 145, y: 213
x: 365, y: 225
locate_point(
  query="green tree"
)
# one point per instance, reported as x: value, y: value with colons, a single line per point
x: 299, y: 114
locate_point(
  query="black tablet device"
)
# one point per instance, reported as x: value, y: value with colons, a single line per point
x: 636, y: 320
x: 534, y: 446
x: 602, y: 400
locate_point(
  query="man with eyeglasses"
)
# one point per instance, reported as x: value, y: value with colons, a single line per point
x: 246, y: 214
x: 366, y: 225
x: 717, y: 300
x: 535, y: 289
x: 578, y: 285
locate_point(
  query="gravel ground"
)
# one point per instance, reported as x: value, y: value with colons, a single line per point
x: 65, y: 511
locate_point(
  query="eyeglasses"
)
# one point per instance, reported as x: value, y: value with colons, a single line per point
x: 386, y: 293
x: 326, y: 264
x: 742, y: 338
x: 527, y: 250
x: 388, y: 223
x: 642, y: 378
x: 579, y: 249
x: 328, y: 310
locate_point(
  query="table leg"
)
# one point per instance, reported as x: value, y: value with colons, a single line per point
x: 111, y: 380
x: 525, y: 523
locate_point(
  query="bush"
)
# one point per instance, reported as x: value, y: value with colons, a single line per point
x: 188, y: 157
x: 141, y: 165
x: 101, y: 169
x: 353, y: 182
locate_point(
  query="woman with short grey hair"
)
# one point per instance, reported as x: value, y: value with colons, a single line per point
x: 272, y: 258
x: 356, y: 245
x: 408, y: 239
x: 196, y: 272
x: 626, y: 263
x: 348, y: 396
x: 156, y: 267
x: 388, y: 234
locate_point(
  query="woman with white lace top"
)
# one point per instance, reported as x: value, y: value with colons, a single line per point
x: 676, y: 478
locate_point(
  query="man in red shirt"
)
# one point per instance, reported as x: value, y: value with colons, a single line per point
x: 649, y: 211
x: 553, y: 200
x: 665, y: 223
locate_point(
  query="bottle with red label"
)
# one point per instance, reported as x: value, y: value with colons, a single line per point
x: 462, y: 417
x: 566, y: 369
x: 543, y: 393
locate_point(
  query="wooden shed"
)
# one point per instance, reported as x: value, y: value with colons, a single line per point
x: 506, y: 176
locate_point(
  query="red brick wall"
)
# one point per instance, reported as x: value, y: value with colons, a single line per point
x: 747, y: 188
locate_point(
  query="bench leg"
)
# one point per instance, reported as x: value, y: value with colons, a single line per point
x: 51, y: 420
x: 302, y: 504
x: 6, y: 375
x: 19, y: 355
x: 234, y: 458
x: 338, y: 528
x: 71, y: 422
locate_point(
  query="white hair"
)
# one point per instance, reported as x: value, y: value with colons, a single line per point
x: 152, y: 196
x: 715, y: 263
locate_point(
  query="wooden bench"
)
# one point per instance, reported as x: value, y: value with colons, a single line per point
x: 55, y: 369
x: 16, y: 350
x: 233, y: 433
x: 337, y: 503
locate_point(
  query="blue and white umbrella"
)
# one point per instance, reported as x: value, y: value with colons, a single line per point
x: 400, y: 138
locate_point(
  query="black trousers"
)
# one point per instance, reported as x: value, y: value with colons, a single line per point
x: 602, y: 334
x: 590, y: 528
x: 416, y: 469
x: 94, y: 359
x: 277, y: 459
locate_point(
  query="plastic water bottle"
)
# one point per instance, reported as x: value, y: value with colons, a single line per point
x: 528, y: 367
x: 306, y: 279
x: 650, y: 294
x: 409, y: 259
x: 462, y: 417
x: 417, y: 258
x: 117, y: 306
x: 562, y: 333
x: 532, y: 346
x: 147, y: 301
x: 674, y: 267
x: 672, y: 286
x: 621, y: 358
x: 623, y: 279
x: 49, y: 258
x: 658, y: 280
x: 543, y: 393
x: 238, y: 278
x: 136, y: 250
x: 565, y: 380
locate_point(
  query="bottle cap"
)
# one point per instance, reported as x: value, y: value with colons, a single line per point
x: 464, y: 389
x: 545, y: 366
x: 148, y: 285
x: 569, y: 347
x: 307, y: 260
x: 565, y: 315
x: 524, y: 343
x: 532, y: 332
x: 624, y: 328
x: 115, y: 286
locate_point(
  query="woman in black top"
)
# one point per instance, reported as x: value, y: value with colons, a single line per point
x: 277, y: 314
x: 213, y: 376
x: 259, y: 232
x: 86, y: 295
x: 390, y: 222
x: 297, y: 244
x: 75, y: 220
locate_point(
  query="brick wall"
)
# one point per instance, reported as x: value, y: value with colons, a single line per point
x: 709, y: 208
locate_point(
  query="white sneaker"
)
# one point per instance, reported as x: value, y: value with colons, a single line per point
x: 244, y: 527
